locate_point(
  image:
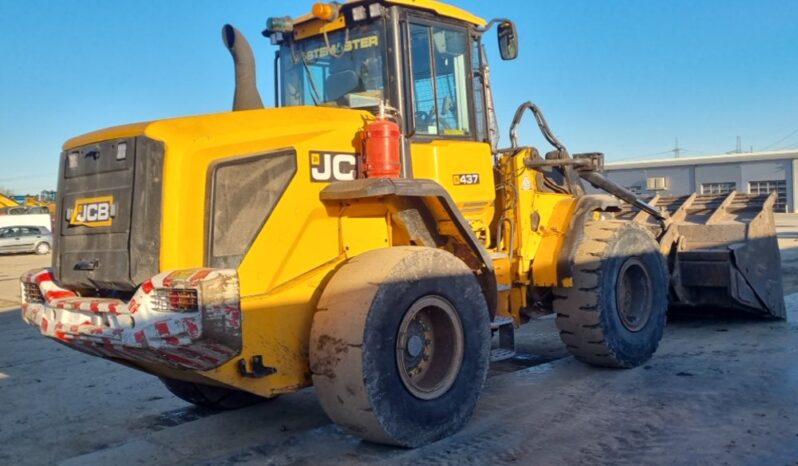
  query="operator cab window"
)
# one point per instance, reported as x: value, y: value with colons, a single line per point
x: 343, y: 68
x: 439, y: 60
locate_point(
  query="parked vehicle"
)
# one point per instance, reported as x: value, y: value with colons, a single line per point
x: 37, y: 220
x: 25, y: 210
x: 28, y: 238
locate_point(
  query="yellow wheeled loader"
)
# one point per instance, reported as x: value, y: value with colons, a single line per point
x: 247, y: 254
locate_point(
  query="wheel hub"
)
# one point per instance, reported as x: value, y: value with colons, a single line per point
x: 429, y: 347
x: 634, y: 295
x: 414, y: 346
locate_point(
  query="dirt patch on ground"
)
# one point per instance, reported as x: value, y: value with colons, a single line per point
x: 719, y: 391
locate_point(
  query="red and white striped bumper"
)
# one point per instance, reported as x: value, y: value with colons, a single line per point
x: 189, y: 319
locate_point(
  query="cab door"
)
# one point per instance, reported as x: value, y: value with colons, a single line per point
x: 29, y: 237
x: 7, y: 240
x: 449, y: 141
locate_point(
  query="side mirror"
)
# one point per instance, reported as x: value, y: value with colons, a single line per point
x: 508, y: 40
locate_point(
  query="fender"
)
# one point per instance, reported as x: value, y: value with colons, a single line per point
x: 585, y: 207
x: 429, y: 216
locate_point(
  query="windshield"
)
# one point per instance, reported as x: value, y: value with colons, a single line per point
x: 343, y: 69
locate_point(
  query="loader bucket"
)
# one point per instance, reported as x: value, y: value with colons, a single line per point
x: 723, y: 252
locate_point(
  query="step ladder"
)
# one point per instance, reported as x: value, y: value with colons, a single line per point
x: 506, y: 344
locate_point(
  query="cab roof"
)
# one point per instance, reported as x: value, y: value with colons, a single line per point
x: 440, y: 8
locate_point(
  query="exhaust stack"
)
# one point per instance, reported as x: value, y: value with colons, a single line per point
x: 246, y: 96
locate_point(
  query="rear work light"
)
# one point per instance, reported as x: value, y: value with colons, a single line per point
x: 279, y: 24
x: 175, y: 300
x: 359, y: 13
x: 31, y: 293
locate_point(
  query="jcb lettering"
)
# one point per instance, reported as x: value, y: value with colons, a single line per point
x: 93, y: 212
x: 325, y: 166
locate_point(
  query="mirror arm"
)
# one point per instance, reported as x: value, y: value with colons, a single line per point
x: 491, y: 23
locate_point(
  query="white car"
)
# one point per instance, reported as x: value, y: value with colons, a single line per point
x: 25, y: 238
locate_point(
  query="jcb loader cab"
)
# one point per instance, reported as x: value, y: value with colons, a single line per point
x: 368, y: 237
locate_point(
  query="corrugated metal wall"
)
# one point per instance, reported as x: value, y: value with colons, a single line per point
x: 689, y: 178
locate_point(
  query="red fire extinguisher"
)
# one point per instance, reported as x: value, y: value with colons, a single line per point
x: 381, y: 147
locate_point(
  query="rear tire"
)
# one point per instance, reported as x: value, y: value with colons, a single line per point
x: 400, y: 345
x: 42, y: 248
x: 614, y: 314
x: 211, y: 397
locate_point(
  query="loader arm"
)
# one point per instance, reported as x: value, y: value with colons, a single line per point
x: 722, y: 249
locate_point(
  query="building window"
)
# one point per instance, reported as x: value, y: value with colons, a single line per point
x: 636, y: 189
x: 657, y: 183
x: 718, y: 188
x: 771, y: 186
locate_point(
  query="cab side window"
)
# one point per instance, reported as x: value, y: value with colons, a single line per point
x: 439, y: 59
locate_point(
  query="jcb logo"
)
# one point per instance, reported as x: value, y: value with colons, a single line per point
x: 93, y: 212
x: 332, y: 167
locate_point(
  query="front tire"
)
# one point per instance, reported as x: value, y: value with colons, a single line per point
x: 614, y: 314
x: 400, y: 345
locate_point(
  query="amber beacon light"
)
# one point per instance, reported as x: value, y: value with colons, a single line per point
x: 326, y: 11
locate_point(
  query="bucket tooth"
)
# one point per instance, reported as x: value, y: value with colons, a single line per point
x: 720, y: 212
x: 680, y: 207
x: 642, y: 216
x: 630, y: 212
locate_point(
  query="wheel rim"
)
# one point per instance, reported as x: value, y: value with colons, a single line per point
x: 633, y: 295
x: 429, y: 347
x: 42, y: 248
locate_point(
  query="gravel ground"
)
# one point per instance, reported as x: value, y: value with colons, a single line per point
x: 719, y: 391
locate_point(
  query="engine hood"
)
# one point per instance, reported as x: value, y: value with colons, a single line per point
x: 160, y: 196
x: 232, y: 127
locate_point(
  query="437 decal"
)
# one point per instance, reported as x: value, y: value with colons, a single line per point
x: 465, y: 178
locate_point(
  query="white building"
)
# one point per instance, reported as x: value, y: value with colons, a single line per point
x: 751, y: 172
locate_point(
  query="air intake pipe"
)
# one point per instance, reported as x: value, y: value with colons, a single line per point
x: 246, y: 96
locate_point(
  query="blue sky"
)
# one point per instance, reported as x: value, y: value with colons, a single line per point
x: 620, y: 76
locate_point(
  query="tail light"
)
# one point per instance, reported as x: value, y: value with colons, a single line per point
x: 31, y: 293
x: 175, y: 300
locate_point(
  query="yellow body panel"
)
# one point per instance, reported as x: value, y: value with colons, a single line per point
x: 312, y: 27
x: 535, y: 222
x: 114, y: 132
x: 440, y: 8
x: 555, y: 211
x: 443, y: 160
x: 296, y: 249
